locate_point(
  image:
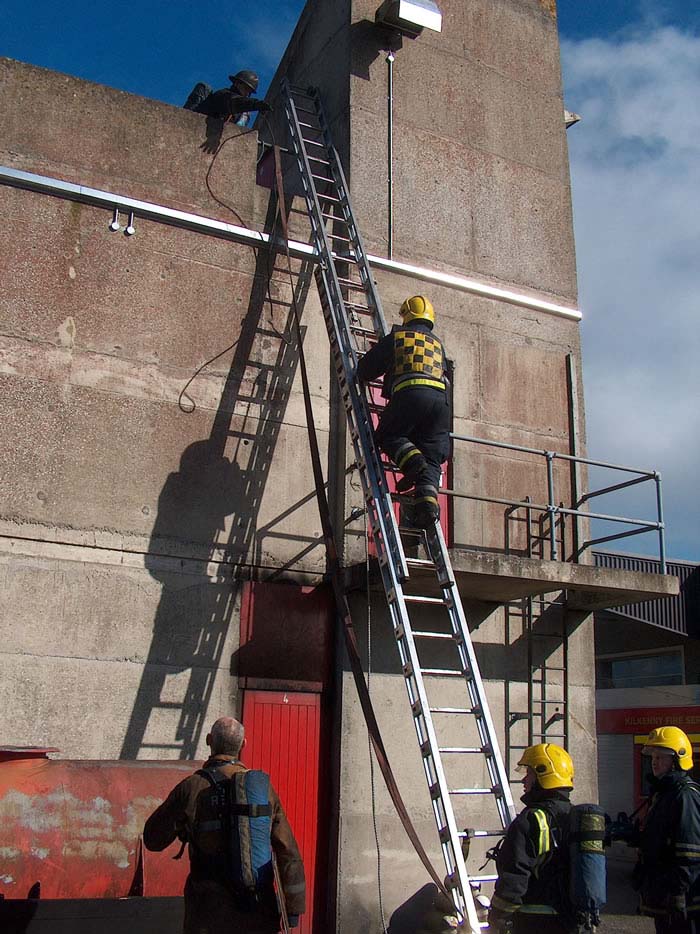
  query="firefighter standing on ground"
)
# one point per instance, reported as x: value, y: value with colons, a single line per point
x: 668, y: 872
x: 414, y: 427
x: 214, y: 904
x: 528, y: 896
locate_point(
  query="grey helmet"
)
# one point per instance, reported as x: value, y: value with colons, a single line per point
x: 248, y: 78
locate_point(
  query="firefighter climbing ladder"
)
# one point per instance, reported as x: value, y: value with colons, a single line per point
x: 353, y: 316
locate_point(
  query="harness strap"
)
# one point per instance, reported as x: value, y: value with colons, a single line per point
x: 418, y: 381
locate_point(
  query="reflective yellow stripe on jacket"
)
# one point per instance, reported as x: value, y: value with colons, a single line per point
x: 544, y: 846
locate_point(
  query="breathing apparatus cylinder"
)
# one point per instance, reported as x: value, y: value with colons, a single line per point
x: 587, y: 888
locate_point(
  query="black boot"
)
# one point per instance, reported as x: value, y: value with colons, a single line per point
x: 412, y: 464
x: 405, y: 484
x: 426, y: 510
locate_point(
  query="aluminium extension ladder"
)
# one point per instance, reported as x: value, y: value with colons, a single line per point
x: 353, y: 315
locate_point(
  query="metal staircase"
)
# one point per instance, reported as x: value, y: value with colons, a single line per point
x: 354, y: 319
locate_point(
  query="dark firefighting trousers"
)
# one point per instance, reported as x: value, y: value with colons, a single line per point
x: 414, y: 432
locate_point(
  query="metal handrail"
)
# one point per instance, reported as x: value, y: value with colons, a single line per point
x: 552, y: 509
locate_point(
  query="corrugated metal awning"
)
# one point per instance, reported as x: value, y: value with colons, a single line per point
x: 679, y: 614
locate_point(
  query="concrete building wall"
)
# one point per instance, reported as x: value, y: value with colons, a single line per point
x: 127, y: 511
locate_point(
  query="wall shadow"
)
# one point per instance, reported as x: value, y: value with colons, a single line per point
x: 219, y: 486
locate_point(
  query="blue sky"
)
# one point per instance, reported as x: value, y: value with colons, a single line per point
x: 631, y: 68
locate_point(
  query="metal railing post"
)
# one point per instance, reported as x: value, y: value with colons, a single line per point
x: 660, y: 514
x: 551, y: 508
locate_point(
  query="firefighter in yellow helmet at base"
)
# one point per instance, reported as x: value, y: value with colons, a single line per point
x: 667, y: 874
x: 414, y: 426
x: 532, y: 865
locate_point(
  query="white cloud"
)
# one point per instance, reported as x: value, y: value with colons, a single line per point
x: 635, y: 166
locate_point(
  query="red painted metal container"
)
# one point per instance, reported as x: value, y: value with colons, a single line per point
x: 71, y: 828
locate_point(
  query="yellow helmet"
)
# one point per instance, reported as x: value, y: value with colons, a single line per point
x: 552, y: 765
x: 673, y: 741
x: 417, y: 308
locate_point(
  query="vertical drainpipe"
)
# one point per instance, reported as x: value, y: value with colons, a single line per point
x: 390, y: 154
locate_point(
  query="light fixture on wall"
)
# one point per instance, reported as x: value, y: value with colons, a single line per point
x: 409, y: 17
x: 396, y: 20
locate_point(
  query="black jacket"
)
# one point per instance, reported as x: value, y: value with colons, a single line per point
x: 531, y: 863
x: 669, y: 845
x: 380, y: 359
x: 226, y: 103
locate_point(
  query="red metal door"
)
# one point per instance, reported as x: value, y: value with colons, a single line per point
x: 283, y: 737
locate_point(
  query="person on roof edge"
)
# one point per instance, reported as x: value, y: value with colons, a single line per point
x: 528, y: 897
x: 667, y: 874
x: 234, y: 103
x: 414, y: 427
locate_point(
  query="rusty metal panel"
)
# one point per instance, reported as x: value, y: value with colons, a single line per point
x: 71, y: 828
x: 679, y: 614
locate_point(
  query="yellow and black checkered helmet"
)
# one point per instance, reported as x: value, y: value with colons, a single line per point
x: 551, y: 764
x: 672, y: 741
x: 417, y: 308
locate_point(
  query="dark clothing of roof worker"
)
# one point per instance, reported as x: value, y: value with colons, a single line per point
x: 234, y: 103
x: 220, y: 897
x: 668, y: 872
x: 528, y: 896
x: 414, y: 427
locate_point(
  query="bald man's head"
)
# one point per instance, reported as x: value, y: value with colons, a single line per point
x: 226, y: 737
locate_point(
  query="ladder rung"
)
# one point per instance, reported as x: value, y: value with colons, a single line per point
x: 479, y: 880
x: 561, y: 702
x: 322, y: 161
x: 425, y: 634
x: 464, y: 834
x: 323, y: 178
x: 420, y: 563
x: 472, y: 791
x: 314, y: 142
x: 352, y: 284
x: 484, y: 750
x: 475, y: 711
x: 447, y: 672
x: 419, y: 598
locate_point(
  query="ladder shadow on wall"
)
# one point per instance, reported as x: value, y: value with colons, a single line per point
x: 209, y: 509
